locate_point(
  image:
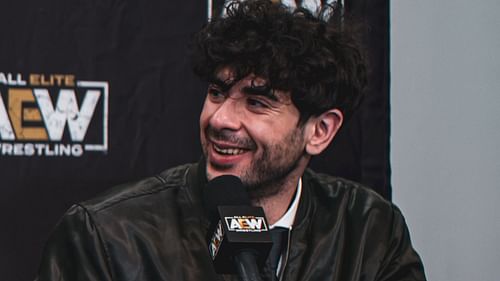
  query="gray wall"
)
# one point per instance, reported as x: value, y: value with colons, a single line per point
x: 445, y: 99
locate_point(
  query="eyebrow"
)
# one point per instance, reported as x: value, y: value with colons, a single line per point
x: 253, y: 90
x: 264, y: 91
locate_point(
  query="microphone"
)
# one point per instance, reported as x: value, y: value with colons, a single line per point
x: 240, y: 240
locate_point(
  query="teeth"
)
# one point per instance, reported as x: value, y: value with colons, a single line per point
x: 228, y: 151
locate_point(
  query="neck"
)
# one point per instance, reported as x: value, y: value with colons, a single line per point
x: 276, y: 205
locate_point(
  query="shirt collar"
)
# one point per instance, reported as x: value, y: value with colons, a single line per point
x: 286, y: 221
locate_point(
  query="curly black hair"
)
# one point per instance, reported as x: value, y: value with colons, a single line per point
x: 316, y: 60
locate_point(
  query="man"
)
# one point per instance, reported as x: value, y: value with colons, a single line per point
x: 281, y: 83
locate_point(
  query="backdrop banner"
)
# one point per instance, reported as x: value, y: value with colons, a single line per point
x: 96, y: 93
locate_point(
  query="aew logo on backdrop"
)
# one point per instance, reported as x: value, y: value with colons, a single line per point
x: 52, y: 115
x: 246, y: 224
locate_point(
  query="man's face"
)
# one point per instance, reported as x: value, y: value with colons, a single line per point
x: 251, y: 133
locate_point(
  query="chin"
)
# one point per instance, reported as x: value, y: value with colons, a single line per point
x: 214, y: 172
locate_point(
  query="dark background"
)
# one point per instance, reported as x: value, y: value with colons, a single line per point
x: 141, y: 49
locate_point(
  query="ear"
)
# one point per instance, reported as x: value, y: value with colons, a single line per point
x: 321, y: 130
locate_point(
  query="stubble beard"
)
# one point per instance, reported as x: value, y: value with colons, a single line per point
x: 268, y: 174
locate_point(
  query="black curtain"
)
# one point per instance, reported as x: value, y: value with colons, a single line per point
x: 147, y: 118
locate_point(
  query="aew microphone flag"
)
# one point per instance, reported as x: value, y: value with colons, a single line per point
x: 240, y: 228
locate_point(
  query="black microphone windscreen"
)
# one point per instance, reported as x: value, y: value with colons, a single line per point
x: 226, y: 190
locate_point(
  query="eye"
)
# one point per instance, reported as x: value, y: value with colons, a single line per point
x: 256, y: 103
x: 215, y: 94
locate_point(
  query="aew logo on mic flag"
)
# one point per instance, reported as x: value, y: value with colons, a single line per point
x: 216, y: 240
x: 52, y: 115
x: 246, y: 224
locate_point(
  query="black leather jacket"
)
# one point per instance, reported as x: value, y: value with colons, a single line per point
x: 155, y: 229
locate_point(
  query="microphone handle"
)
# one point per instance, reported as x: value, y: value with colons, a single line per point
x: 247, y: 266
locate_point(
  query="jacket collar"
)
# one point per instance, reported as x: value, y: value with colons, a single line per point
x: 305, y: 206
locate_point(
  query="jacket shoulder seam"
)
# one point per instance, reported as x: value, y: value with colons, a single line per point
x: 130, y: 195
x: 101, y: 240
x: 160, y: 184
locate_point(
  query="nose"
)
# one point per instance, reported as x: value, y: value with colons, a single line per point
x: 227, y: 115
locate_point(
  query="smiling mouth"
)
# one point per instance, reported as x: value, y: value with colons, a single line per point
x: 228, y: 151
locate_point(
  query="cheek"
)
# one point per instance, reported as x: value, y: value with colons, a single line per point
x: 272, y: 129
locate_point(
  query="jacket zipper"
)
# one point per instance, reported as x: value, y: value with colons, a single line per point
x: 282, y: 271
